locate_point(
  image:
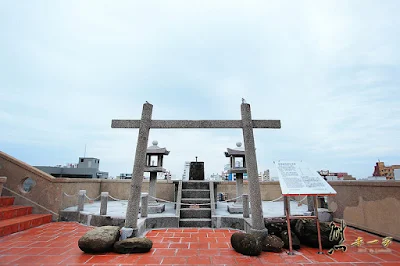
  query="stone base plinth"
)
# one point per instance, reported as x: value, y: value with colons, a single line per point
x: 324, y: 215
x: 156, y: 208
x: 235, y: 208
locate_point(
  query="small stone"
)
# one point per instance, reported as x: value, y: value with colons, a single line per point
x: 100, y: 239
x: 133, y: 245
x: 295, y: 240
x: 272, y: 243
x: 246, y: 244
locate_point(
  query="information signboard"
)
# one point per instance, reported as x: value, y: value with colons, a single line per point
x: 297, y: 178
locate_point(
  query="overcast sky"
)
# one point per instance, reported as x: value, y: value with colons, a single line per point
x: 329, y: 70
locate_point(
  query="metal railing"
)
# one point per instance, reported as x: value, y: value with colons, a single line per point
x: 31, y: 201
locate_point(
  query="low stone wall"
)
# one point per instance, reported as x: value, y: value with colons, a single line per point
x: 269, y: 190
x: 47, y: 192
x: 369, y: 205
x: 56, y: 194
x: 121, y: 188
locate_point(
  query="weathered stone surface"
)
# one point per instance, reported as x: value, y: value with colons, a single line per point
x: 99, y: 239
x: 295, y: 240
x: 276, y: 226
x: 246, y: 244
x: 272, y: 243
x: 133, y: 245
x: 306, y: 230
x: 196, y: 171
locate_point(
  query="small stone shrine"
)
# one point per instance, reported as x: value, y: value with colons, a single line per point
x: 238, y: 167
x: 196, y: 171
x: 154, y: 165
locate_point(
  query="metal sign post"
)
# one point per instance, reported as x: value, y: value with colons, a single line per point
x: 288, y: 218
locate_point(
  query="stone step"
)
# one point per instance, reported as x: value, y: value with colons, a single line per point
x: 197, y: 222
x: 6, y: 201
x: 195, y: 185
x: 13, y: 211
x: 195, y: 193
x: 22, y: 223
x: 202, y: 202
x: 195, y: 213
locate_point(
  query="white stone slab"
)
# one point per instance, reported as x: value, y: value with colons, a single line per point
x: 298, y: 178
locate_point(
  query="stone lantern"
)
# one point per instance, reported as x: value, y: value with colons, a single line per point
x: 154, y: 165
x: 237, y: 167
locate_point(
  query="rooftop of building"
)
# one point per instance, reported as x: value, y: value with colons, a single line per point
x: 56, y: 244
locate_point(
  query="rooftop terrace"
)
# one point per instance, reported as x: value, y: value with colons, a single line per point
x: 57, y: 244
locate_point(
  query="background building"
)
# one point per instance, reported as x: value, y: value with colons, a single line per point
x: 381, y: 170
x: 186, y: 169
x: 86, y: 168
x: 397, y: 174
x: 334, y: 176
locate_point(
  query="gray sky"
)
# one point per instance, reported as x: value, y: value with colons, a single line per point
x: 328, y: 69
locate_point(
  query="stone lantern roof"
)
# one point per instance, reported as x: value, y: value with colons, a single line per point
x: 236, y: 152
x: 154, y: 149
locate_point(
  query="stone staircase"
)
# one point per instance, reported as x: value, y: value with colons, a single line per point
x: 195, y: 192
x: 14, y: 218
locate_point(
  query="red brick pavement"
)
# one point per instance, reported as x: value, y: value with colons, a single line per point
x: 56, y: 244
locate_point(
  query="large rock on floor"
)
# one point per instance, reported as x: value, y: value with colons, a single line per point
x: 275, y: 226
x: 100, y: 239
x: 246, y: 244
x: 133, y: 245
x: 272, y: 243
x: 306, y: 230
x: 295, y: 240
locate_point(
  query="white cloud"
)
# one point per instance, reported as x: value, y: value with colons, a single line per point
x: 328, y: 70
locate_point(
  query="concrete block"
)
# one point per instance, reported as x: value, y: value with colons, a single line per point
x: 69, y: 216
x: 228, y: 222
x: 195, y: 185
x: 156, y: 208
x: 196, y: 213
x: 234, y: 209
x: 205, y: 203
x: 198, y: 222
x: 125, y: 233
x: 195, y: 193
x: 162, y: 222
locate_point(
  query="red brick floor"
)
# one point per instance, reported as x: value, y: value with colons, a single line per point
x: 56, y: 244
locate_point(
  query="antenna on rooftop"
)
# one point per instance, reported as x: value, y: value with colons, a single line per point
x: 84, y: 154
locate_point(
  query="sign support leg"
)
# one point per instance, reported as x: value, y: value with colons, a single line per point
x: 289, y: 231
x: 317, y: 222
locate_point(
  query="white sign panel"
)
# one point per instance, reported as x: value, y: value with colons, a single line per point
x: 297, y: 178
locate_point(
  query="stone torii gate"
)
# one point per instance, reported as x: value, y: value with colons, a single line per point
x: 144, y: 125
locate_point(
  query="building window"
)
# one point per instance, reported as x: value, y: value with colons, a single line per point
x: 81, y: 160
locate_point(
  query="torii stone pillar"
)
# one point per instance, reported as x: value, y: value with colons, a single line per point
x: 246, y: 124
x: 132, y: 210
x: 252, y: 169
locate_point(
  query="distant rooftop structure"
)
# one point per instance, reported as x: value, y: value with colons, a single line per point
x: 396, y: 174
x: 380, y: 169
x: 376, y: 178
x: 87, y: 167
x: 335, y: 176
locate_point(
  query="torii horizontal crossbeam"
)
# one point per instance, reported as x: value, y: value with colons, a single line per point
x: 195, y: 123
